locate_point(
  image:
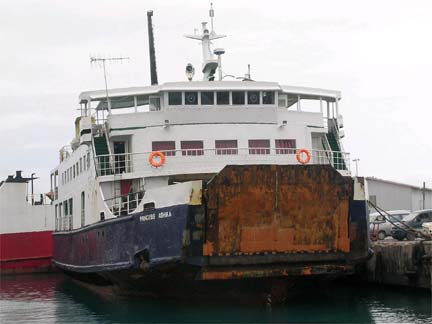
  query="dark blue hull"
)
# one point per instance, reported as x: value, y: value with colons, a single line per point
x: 143, y: 239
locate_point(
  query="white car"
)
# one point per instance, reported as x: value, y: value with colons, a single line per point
x: 382, y: 228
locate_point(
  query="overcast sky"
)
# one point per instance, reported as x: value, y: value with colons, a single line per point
x: 378, y: 53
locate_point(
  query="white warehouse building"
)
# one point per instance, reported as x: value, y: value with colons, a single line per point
x: 390, y: 195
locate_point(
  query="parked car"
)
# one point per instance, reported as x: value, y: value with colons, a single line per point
x: 414, y: 220
x: 381, y: 227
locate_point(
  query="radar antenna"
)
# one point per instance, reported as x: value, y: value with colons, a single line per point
x: 102, y: 61
x: 210, y: 64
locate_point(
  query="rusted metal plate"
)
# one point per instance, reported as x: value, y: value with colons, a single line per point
x: 277, y: 209
x: 265, y: 272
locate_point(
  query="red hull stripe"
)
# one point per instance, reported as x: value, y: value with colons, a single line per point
x: 23, y: 266
x: 25, y: 246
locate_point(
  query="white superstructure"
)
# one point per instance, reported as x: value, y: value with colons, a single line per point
x: 200, y: 126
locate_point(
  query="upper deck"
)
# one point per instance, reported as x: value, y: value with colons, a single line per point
x: 209, y: 94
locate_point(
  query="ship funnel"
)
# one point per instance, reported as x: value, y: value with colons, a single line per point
x: 153, y: 71
x: 18, y: 175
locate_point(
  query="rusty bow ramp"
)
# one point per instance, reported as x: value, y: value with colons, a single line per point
x: 276, y: 220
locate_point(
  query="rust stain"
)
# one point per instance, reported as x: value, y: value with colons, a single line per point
x: 227, y: 274
x: 277, y: 209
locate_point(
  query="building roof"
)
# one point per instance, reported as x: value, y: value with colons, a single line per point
x: 397, y: 183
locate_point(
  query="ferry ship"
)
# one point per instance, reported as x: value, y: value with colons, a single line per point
x: 26, y: 225
x: 188, y: 186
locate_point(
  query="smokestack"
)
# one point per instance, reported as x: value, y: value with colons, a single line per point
x: 153, y: 71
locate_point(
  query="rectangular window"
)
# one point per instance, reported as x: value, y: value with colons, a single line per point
x: 285, y: 146
x: 222, y: 97
x: 191, y: 98
x: 77, y: 170
x: 70, y: 206
x: 80, y: 165
x: 192, y: 147
x: 268, y: 98
x: 74, y: 171
x: 84, y: 162
x: 167, y: 147
x: 56, y: 217
x: 70, y: 214
x: 226, y: 147
x: 238, y: 98
x: 60, y: 218
x: 259, y: 146
x: 207, y: 98
x: 253, y: 97
x: 65, y: 208
x: 174, y: 98
x: 88, y: 160
x: 82, y: 209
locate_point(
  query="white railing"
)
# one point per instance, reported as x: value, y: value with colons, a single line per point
x: 125, y: 204
x: 211, y: 160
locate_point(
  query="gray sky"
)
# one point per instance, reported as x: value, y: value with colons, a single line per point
x: 378, y: 53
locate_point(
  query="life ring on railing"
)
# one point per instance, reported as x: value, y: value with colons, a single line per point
x: 156, y: 163
x: 299, y: 156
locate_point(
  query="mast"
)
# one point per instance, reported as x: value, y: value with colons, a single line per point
x: 210, y: 64
x: 153, y: 71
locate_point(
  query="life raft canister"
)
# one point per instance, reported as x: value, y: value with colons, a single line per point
x: 154, y: 162
x: 300, y: 158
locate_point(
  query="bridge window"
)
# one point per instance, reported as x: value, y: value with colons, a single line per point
x: 192, y: 147
x: 174, y: 98
x: 191, y: 98
x: 259, y: 146
x: 238, y: 98
x: 268, y: 97
x: 207, y: 98
x: 167, y: 147
x: 253, y: 97
x: 226, y: 147
x: 222, y: 97
x: 285, y: 146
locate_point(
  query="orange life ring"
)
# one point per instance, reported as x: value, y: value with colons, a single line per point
x: 299, y: 156
x: 154, y: 163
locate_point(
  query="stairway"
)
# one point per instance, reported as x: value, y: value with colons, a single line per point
x: 338, y: 159
x: 101, y: 148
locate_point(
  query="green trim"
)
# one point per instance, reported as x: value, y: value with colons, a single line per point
x: 129, y: 128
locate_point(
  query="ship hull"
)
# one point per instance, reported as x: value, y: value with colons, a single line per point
x: 250, y: 232
x: 26, y: 252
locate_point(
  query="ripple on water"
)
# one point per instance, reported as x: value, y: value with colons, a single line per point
x: 54, y: 299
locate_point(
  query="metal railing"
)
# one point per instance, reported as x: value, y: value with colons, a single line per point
x: 212, y: 160
x: 124, y: 204
x: 38, y: 199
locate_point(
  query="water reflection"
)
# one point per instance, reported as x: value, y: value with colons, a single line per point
x: 53, y: 298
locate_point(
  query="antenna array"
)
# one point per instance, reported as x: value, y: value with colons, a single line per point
x: 101, y: 62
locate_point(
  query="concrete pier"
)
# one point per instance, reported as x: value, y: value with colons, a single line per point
x: 402, y: 263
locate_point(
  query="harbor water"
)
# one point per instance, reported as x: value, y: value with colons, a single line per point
x: 56, y: 299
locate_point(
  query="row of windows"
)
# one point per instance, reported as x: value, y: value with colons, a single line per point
x: 75, y: 170
x: 225, y: 147
x: 64, y: 214
x: 221, y: 98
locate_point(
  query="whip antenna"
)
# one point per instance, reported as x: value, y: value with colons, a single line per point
x: 102, y: 61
